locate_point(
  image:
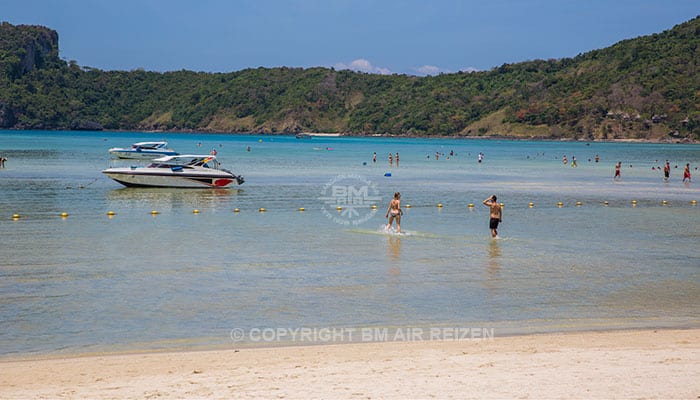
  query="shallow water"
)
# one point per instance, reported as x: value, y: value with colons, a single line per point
x: 135, y: 281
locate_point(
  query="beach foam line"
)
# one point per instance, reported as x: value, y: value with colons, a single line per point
x: 392, y: 232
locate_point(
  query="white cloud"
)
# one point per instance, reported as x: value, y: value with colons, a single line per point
x: 363, y: 65
x: 433, y: 70
x: 429, y: 70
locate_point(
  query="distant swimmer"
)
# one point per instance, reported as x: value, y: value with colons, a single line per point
x: 667, y: 171
x: 686, y: 173
x: 564, y: 160
x: 374, y: 157
x: 618, y: 166
x: 480, y: 158
x: 394, y: 212
x: 574, y: 164
x: 597, y: 158
x: 391, y: 159
x: 496, y: 215
x: 397, y: 159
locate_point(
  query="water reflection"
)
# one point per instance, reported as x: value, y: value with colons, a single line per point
x: 494, y: 256
x: 493, y: 265
x: 170, y: 198
x: 394, y: 254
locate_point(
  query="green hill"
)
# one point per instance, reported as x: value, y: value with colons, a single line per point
x: 642, y: 88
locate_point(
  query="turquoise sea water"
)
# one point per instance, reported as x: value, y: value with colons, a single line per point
x: 138, y: 281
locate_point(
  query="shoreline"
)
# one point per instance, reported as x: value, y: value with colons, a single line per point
x: 324, y: 336
x: 326, y: 135
x: 648, y: 363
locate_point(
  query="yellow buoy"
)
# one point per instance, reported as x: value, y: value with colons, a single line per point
x: 374, y: 206
x: 470, y: 205
x: 693, y: 202
x: 262, y: 209
x: 664, y: 202
x: 15, y: 216
x: 439, y: 205
x: 560, y: 204
x: 110, y: 212
x: 578, y: 203
x: 501, y: 204
x: 195, y: 211
x: 154, y: 212
x: 605, y: 202
x: 339, y: 208
x: 634, y: 202
x: 408, y: 206
x: 236, y: 210
x: 64, y: 214
x: 531, y: 204
x: 302, y: 209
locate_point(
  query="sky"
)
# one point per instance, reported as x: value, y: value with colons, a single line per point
x: 415, y: 37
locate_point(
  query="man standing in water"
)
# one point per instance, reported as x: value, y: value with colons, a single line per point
x: 496, y: 215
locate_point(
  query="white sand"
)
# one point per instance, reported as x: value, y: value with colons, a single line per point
x: 630, y: 364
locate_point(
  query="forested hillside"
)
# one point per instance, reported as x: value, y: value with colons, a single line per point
x: 642, y: 88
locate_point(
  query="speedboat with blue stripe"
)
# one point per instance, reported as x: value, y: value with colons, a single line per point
x: 181, y: 171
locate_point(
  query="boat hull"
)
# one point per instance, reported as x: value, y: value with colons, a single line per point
x: 134, y: 178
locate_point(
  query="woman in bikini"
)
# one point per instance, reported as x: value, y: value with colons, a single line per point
x: 394, y: 212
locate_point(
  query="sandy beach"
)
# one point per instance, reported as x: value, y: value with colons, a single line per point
x: 643, y: 364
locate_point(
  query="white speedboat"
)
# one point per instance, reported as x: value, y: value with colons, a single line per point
x: 143, y: 150
x: 181, y: 171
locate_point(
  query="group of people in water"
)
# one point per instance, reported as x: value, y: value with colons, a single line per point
x: 391, y: 158
x: 394, y: 157
x: 666, y: 168
x: 394, y: 213
x: 574, y: 162
x: 618, y: 168
x: 667, y: 171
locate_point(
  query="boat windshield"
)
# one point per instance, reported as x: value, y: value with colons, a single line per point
x: 149, y: 145
x: 186, y: 161
x: 206, y: 162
